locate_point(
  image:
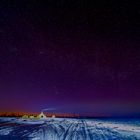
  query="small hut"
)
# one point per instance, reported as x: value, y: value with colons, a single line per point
x: 53, y: 116
x: 25, y: 117
x: 41, y: 116
x: 31, y: 117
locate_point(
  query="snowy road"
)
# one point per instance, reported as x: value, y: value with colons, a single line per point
x: 68, y: 129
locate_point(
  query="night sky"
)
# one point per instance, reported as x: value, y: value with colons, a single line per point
x: 71, y: 55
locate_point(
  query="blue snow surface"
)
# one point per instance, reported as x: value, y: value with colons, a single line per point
x: 69, y: 129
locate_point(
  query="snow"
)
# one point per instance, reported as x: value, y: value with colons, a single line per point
x: 68, y: 129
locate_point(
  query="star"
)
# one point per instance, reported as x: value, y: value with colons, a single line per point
x: 13, y: 49
x: 41, y: 52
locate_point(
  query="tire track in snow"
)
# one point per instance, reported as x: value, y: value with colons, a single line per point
x: 62, y: 129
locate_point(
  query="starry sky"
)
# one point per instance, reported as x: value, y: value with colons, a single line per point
x: 74, y: 56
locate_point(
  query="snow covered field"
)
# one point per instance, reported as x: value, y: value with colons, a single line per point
x: 69, y: 129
